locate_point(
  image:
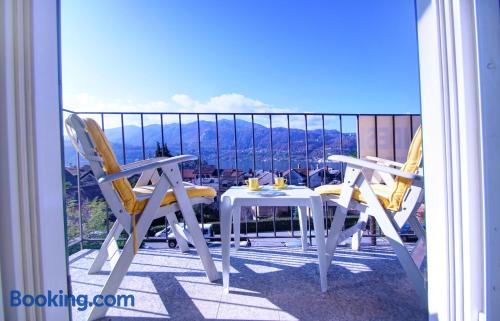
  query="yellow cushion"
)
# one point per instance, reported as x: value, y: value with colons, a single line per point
x: 401, y: 185
x: 383, y: 192
x: 390, y: 198
x: 110, y: 165
x: 192, y: 191
x: 122, y: 185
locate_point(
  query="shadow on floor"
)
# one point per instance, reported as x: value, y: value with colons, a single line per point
x: 267, y: 283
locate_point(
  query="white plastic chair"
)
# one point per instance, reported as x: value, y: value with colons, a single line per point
x: 136, y: 208
x: 392, y: 204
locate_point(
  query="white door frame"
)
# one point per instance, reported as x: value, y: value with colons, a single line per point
x: 456, y: 133
x: 488, y: 26
x: 48, y: 121
x: 456, y: 119
x: 32, y: 238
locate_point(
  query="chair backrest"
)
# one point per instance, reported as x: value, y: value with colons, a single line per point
x: 102, y: 159
x: 412, y: 164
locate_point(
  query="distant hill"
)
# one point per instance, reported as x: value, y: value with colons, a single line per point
x: 208, y: 143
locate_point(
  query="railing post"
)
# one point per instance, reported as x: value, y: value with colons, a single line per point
x: 254, y: 169
x: 325, y: 214
x: 142, y: 137
x: 307, y: 175
x: 79, y: 199
x: 290, y: 168
x: 235, y: 149
x: 218, y: 161
x: 202, y: 219
x: 272, y: 166
x: 373, y: 223
x: 341, y: 147
x: 123, y: 140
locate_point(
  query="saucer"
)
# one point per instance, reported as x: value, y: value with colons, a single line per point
x: 280, y: 187
x: 255, y: 190
x: 271, y: 193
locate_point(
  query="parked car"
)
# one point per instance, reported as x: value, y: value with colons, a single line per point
x: 407, y: 234
x: 207, y: 230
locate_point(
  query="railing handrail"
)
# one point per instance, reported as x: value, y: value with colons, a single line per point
x: 230, y: 114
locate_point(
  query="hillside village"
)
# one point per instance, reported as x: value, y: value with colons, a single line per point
x: 208, y: 175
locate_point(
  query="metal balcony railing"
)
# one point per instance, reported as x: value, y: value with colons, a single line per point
x: 230, y: 148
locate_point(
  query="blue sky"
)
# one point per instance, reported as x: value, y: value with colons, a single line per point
x: 226, y: 55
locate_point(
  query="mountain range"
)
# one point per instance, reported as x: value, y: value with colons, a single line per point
x: 244, y: 142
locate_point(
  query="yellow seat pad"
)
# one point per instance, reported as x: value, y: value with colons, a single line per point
x: 143, y: 194
x: 382, y: 191
x: 390, y: 198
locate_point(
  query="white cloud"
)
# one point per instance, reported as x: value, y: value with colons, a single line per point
x: 237, y: 103
x: 225, y: 103
x: 86, y: 102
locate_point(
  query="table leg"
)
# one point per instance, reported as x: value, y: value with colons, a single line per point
x: 319, y: 229
x: 225, y: 231
x: 236, y: 214
x: 303, y: 226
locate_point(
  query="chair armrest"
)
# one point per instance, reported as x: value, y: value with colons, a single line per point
x: 142, y: 162
x: 367, y: 164
x: 157, y: 163
x: 383, y: 161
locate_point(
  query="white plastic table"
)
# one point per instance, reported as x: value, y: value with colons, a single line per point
x: 302, y: 197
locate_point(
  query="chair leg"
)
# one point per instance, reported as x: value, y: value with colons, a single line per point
x: 122, y: 265
x: 179, y: 235
x: 109, y: 249
x: 417, y: 227
x: 173, y: 174
x: 419, y: 252
x: 411, y: 269
x: 352, y: 176
x: 390, y: 228
x: 356, y: 237
x: 198, y: 239
x: 319, y: 229
x: 334, y: 233
x: 236, y: 215
x: 115, y: 278
x: 225, y: 233
x: 303, y: 227
x: 194, y: 230
x: 117, y: 274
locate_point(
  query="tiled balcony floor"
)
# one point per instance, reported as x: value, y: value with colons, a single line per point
x: 269, y: 282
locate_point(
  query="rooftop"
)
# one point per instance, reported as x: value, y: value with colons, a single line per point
x: 269, y: 281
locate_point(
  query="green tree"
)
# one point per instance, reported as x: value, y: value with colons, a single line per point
x: 97, y: 213
x: 72, y: 219
x: 162, y: 151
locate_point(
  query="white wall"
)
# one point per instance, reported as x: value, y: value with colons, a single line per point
x: 47, y: 134
x: 459, y: 138
x: 32, y: 242
x: 488, y: 26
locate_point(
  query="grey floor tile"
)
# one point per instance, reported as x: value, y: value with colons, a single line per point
x: 268, y: 282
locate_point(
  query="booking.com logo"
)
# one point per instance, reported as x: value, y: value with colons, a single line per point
x: 82, y: 301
